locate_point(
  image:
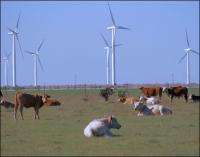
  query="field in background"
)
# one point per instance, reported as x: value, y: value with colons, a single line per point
x: 60, y: 130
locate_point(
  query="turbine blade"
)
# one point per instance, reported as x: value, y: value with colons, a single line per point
x: 20, y: 46
x: 182, y: 58
x: 111, y: 15
x: 17, y: 25
x: 11, y: 30
x: 40, y: 45
x: 29, y: 52
x: 40, y: 63
x: 195, y: 52
x: 188, y: 44
x: 104, y: 40
x: 121, y: 27
x: 116, y: 45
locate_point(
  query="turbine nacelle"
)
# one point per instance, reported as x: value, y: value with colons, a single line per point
x: 187, y: 50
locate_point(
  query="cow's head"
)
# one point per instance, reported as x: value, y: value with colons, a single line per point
x: 113, y: 123
x: 121, y: 99
x: 138, y: 106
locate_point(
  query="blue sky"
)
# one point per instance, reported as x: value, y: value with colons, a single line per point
x: 73, y: 46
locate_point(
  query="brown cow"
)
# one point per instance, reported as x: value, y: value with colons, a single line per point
x: 177, y: 91
x: 151, y: 91
x: 52, y: 102
x: 29, y: 100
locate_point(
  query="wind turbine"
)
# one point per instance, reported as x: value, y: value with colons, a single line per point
x: 107, y: 47
x: 114, y: 29
x: 187, y: 52
x: 5, y: 60
x: 36, y: 58
x: 14, y: 34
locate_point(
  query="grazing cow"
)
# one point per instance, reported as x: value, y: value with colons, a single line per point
x: 151, y: 91
x: 151, y: 100
x: 177, y: 91
x: 151, y: 109
x: 7, y: 104
x: 194, y: 98
x: 52, y: 102
x: 29, y: 100
x: 105, y: 93
x: 127, y: 99
x: 101, y: 127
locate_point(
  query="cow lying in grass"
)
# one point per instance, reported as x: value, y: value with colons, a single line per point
x: 194, y: 98
x: 7, y: 104
x: 52, y: 102
x: 101, y: 127
x: 151, y: 109
x: 150, y: 100
x: 127, y: 100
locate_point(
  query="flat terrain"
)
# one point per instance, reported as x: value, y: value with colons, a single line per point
x: 59, y: 132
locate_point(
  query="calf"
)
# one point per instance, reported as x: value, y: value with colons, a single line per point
x: 151, y: 100
x: 151, y: 109
x: 52, y: 102
x: 101, y: 127
x: 194, y: 98
x: 7, y: 104
x: 29, y: 100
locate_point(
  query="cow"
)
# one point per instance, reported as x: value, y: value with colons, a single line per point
x: 151, y: 109
x: 101, y: 127
x: 28, y: 100
x: 7, y: 104
x: 177, y: 91
x: 127, y: 99
x: 151, y: 91
x: 52, y: 102
x: 105, y: 93
x: 150, y: 100
x: 194, y: 98
x: 1, y: 95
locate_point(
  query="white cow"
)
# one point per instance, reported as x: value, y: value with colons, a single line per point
x: 151, y: 109
x: 150, y: 100
x: 101, y: 127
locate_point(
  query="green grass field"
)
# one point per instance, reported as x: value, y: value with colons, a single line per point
x: 59, y: 132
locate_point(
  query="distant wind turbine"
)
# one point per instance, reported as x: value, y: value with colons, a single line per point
x: 113, y: 29
x: 188, y: 51
x: 36, y: 58
x: 14, y: 34
x: 5, y: 60
x: 107, y: 47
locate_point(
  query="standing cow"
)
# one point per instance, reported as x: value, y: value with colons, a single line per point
x: 177, y: 91
x: 151, y: 91
x: 29, y: 100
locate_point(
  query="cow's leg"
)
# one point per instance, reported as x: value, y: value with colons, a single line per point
x: 15, y: 112
x: 35, y: 113
x: 186, y: 98
x: 21, y: 112
x: 171, y: 98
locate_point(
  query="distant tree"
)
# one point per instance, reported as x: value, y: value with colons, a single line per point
x: 106, y: 93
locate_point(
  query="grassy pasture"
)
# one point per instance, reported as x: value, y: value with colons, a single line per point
x: 59, y: 132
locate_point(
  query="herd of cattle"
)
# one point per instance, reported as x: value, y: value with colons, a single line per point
x: 148, y: 104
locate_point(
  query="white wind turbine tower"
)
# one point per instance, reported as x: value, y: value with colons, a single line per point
x: 5, y: 60
x: 36, y: 58
x: 113, y: 29
x: 14, y: 34
x: 107, y: 47
x: 188, y: 51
